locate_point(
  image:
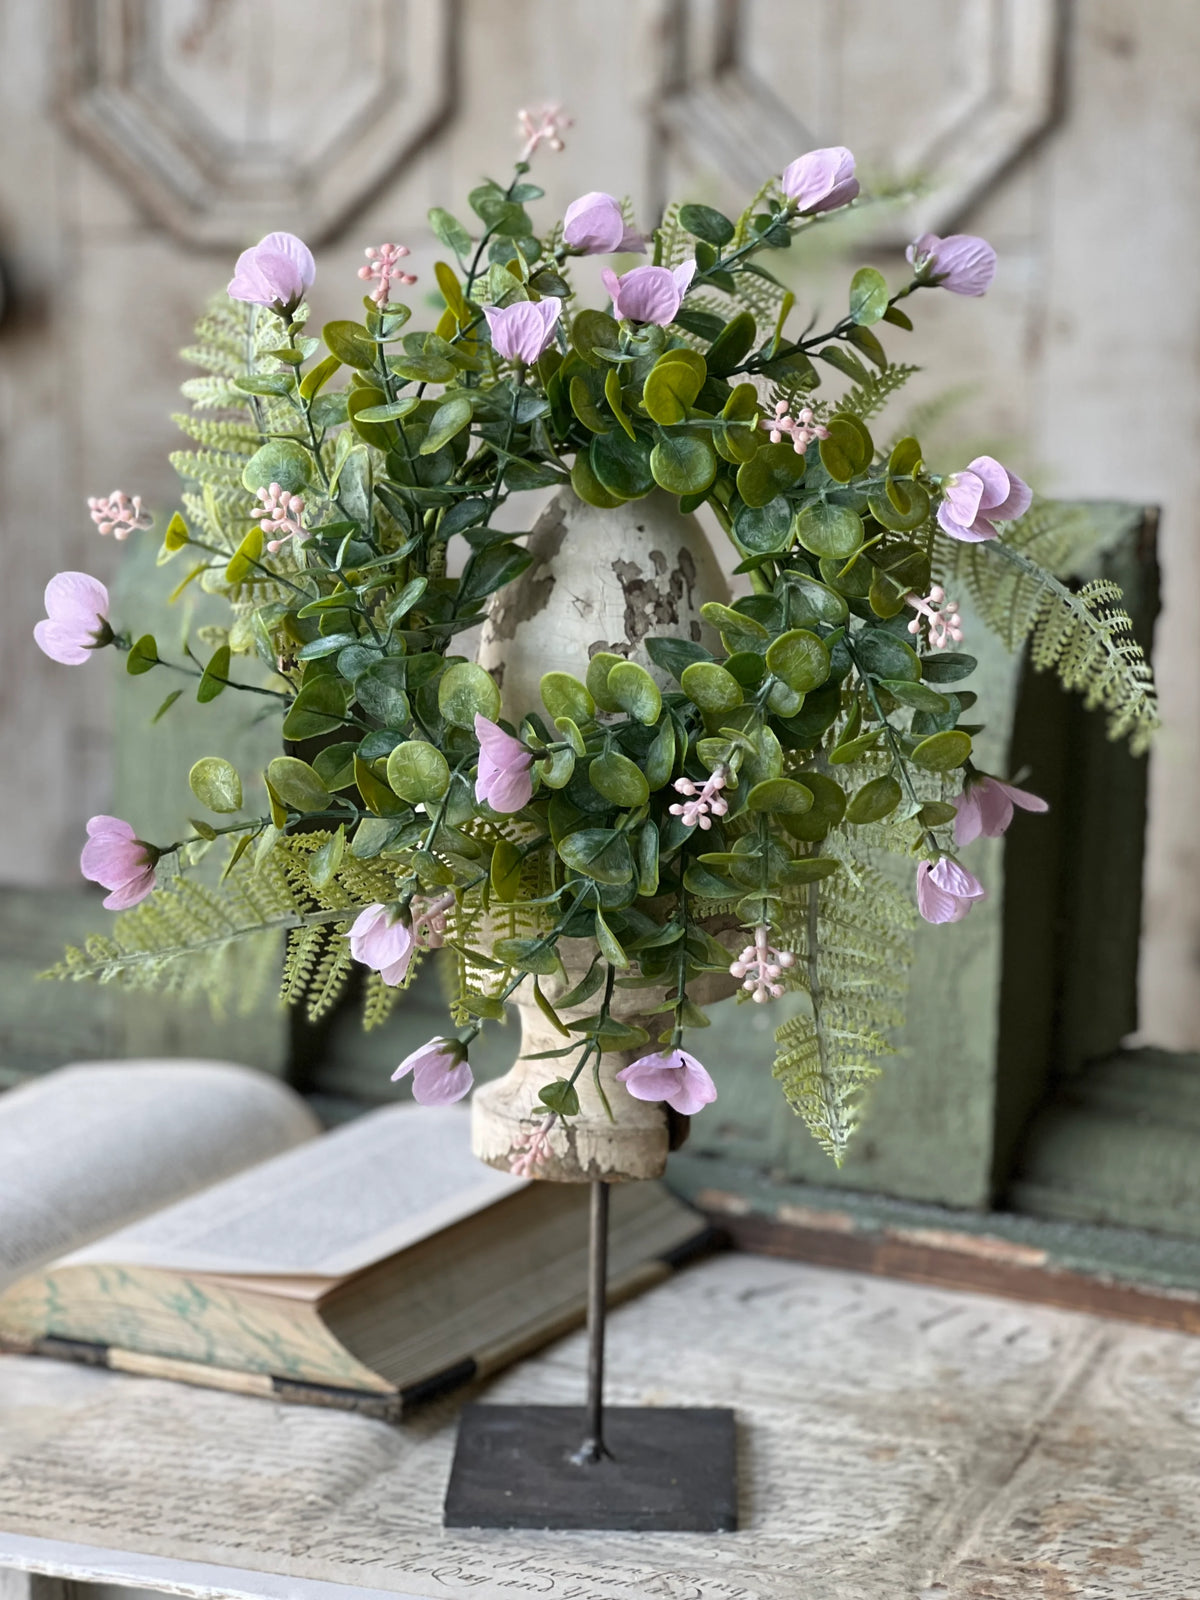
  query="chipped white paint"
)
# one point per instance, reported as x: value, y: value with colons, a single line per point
x: 600, y: 580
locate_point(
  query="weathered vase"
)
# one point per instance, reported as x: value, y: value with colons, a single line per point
x: 600, y: 580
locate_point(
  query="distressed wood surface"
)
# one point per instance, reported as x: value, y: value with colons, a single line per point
x: 894, y: 1441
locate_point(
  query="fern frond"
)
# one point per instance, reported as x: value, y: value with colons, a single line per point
x: 1086, y: 635
x: 852, y: 936
x: 762, y: 296
x: 867, y: 400
x: 331, y: 976
x: 741, y: 232
x: 381, y: 999
x: 304, y: 949
x: 675, y: 242
x: 213, y: 393
x: 177, y: 939
x: 209, y: 466
x: 219, y: 433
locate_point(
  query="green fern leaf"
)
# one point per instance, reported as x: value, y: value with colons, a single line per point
x: 852, y: 936
x: 219, y: 433
x: 867, y: 400
x: 1084, y: 634
x: 213, y: 393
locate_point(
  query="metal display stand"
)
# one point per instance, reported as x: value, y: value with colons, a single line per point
x: 632, y: 1468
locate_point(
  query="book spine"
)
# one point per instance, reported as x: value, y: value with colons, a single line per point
x: 386, y: 1408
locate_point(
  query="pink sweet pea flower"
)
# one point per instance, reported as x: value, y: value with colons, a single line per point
x: 521, y: 332
x: 505, y: 776
x: 76, y: 620
x: 649, y: 294
x: 117, y: 859
x: 961, y: 262
x: 593, y: 226
x: 986, y: 807
x: 382, y: 940
x: 673, y: 1076
x: 946, y: 891
x: 821, y: 180
x: 974, y: 500
x: 440, y: 1072
x: 274, y: 273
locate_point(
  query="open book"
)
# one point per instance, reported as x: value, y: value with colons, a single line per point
x: 183, y: 1219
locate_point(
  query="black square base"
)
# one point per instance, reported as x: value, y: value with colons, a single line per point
x: 669, y: 1470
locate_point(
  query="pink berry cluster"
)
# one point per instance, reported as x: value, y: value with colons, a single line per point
x: 280, y: 513
x: 801, y: 430
x: 700, y: 804
x: 384, y: 266
x: 761, y: 965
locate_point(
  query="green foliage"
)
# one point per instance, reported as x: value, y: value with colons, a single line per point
x: 657, y: 802
x: 851, y: 935
x: 1085, y: 635
x: 868, y: 397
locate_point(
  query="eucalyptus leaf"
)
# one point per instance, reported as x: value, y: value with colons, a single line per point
x: 564, y: 696
x: 780, y: 797
x: 875, y: 800
x: 868, y: 296
x: 942, y: 752
x: 672, y: 385
x: 297, y: 784
x: 621, y: 464
x: 418, y: 772
x: 764, y: 530
x: 917, y: 695
x: 215, y: 677
x: 827, y: 810
x: 610, y: 946
x: 948, y: 668
x: 673, y: 655
x: 619, y: 779
x: 281, y: 461
x: 683, y: 465
x: 351, y: 344
x: 216, y: 784
x: 635, y: 691
x: 465, y: 690
x: 731, y: 346
x: 598, y: 853
x: 773, y: 470
x: 710, y: 687
x: 599, y: 667
x: 448, y: 230
x: 142, y: 657
x: 450, y: 418
x: 320, y: 707
x: 706, y: 223
x: 800, y: 658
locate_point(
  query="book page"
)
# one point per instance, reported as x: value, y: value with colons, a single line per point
x: 359, y: 1194
x: 90, y: 1147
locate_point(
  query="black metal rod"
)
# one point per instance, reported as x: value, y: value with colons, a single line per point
x: 593, y: 1448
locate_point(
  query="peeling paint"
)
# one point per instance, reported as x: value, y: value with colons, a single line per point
x: 651, y: 603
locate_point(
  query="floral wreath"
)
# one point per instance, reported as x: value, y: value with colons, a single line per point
x: 757, y: 782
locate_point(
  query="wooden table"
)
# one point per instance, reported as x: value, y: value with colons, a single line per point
x: 895, y: 1442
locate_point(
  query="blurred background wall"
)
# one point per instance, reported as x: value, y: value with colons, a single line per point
x: 145, y: 141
